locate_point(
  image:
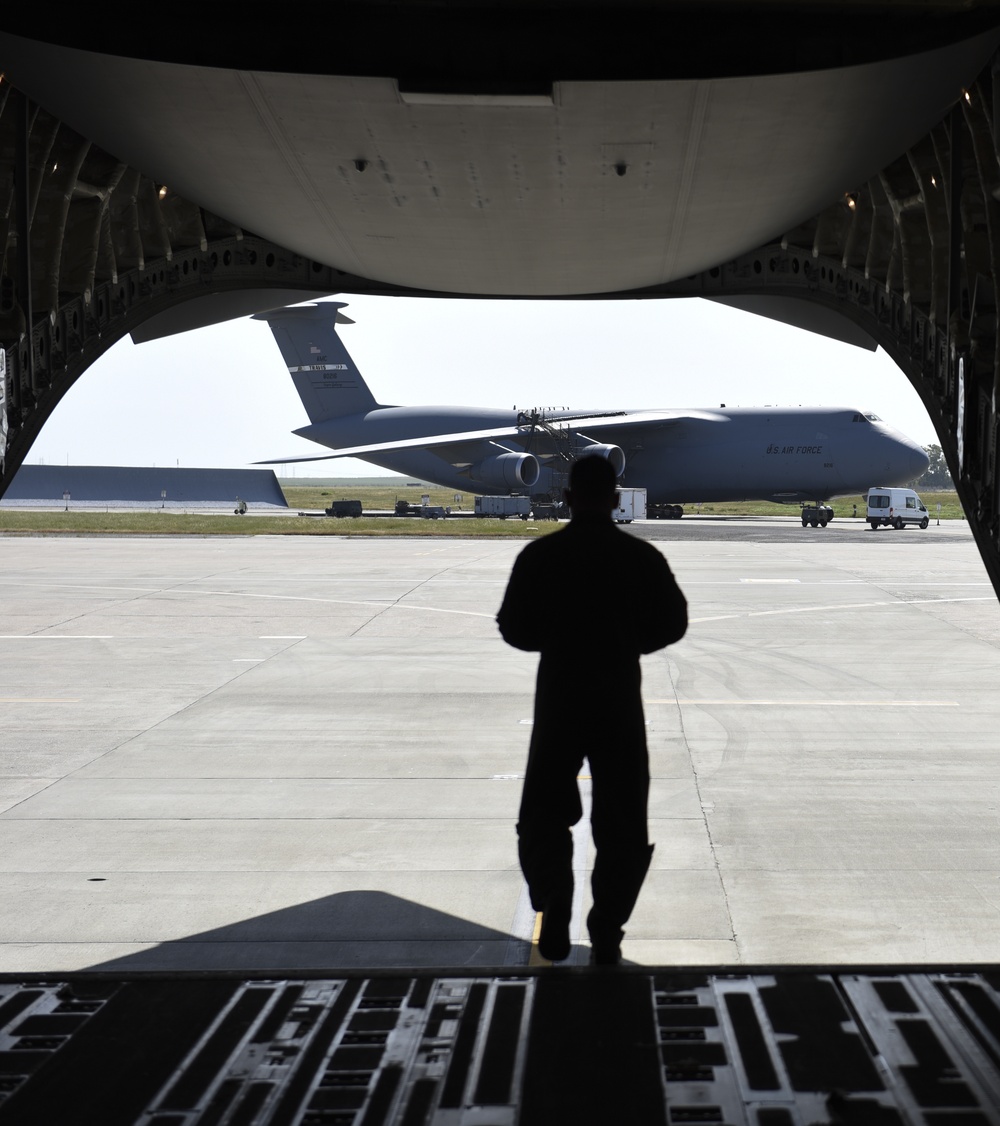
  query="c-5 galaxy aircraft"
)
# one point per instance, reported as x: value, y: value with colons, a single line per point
x: 678, y: 456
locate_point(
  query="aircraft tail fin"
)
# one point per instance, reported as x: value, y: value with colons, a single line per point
x: 326, y: 378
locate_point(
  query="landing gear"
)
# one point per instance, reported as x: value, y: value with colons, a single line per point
x: 664, y: 511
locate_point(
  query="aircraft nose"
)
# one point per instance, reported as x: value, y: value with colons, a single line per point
x: 916, y: 459
x: 902, y: 460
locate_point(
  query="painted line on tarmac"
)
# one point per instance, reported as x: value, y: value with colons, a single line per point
x: 812, y: 703
x: 55, y: 636
x: 384, y: 603
x: 894, y: 603
x: 824, y: 582
x: 38, y: 700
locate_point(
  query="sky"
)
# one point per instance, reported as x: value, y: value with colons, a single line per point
x: 220, y: 397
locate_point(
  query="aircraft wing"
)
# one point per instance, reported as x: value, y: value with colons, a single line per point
x: 591, y: 419
x: 405, y: 444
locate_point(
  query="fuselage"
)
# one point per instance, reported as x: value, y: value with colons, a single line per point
x: 679, y: 456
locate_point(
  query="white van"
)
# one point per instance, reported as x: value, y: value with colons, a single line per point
x: 895, y: 508
x: 631, y: 506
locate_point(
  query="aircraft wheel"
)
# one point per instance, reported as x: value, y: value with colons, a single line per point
x: 924, y: 523
x: 678, y: 511
x: 814, y: 523
x: 823, y: 523
x: 805, y: 522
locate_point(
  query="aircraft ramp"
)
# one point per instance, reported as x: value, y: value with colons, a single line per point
x: 762, y: 1047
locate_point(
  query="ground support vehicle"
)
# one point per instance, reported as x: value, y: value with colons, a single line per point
x: 426, y: 511
x: 816, y: 515
x: 342, y: 508
x: 895, y: 508
x: 499, y: 508
x: 631, y: 506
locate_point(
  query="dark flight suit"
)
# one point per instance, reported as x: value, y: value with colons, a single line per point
x: 590, y: 598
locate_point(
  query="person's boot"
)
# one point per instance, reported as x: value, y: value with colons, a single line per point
x: 605, y: 942
x: 613, y: 904
x: 553, y: 941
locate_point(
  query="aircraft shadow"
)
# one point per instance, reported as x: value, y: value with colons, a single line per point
x: 349, y: 930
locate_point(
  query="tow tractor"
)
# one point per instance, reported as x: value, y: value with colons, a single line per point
x: 816, y: 515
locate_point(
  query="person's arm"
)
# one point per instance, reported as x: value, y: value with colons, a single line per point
x: 519, y: 619
x: 665, y: 619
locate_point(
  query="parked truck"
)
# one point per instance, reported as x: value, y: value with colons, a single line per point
x: 499, y: 508
x: 631, y: 506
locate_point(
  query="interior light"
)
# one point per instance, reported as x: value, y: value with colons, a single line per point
x: 163, y: 192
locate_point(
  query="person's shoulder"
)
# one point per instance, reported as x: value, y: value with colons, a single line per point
x: 645, y: 554
x: 638, y: 545
x: 550, y: 542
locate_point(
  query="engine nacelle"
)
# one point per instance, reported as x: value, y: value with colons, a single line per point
x: 614, y: 454
x: 507, y: 471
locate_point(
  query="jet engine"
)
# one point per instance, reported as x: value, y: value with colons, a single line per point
x: 507, y: 471
x: 614, y: 454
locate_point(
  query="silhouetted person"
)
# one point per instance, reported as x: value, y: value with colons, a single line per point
x: 590, y: 598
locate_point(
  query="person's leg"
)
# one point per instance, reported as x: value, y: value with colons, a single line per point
x: 618, y: 822
x: 550, y: 807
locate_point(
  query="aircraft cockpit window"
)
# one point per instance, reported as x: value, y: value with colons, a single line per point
x: 873, y: 418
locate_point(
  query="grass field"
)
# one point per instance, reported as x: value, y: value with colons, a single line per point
x: 14, y: 522
x: 383, y: 497
x: 378, y: 497
x: 313, y: 498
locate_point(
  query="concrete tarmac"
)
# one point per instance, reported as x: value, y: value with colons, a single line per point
x: 283, y: 754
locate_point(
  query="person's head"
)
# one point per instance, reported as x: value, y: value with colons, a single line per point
x: 592, y: 487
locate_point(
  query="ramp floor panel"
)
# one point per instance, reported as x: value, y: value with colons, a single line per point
x: 656, y: 1047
